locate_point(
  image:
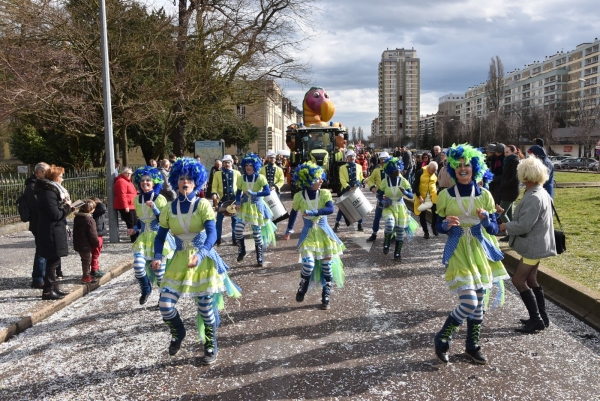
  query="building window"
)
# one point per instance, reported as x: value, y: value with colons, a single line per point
x: 241, y: 110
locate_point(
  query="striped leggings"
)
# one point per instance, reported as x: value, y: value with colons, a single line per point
x: 390, y: 226
x: 308, y: 265
x: 140, y: 264
x: 239, y: 232
x: 169, y: 298
x: 471, y: 304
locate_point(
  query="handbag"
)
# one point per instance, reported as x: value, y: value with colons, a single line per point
x: 427, y: 203
x: 559, y: 235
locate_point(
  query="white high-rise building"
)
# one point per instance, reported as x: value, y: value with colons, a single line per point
x: 399, y: 94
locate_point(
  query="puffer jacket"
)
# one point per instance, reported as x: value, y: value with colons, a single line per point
x: 85, y: 237
x: 125, y: 193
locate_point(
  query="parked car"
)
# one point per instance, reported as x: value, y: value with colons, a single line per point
x: 557, y: 159
x: 595, y: 166
x: 574, y: 163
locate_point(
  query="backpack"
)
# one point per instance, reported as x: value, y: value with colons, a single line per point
x: 22, y: 208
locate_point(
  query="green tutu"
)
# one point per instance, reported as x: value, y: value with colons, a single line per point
x: 248, y: 213
x: 319, y: 245
x: 196, y: 282
x: 145, y: 245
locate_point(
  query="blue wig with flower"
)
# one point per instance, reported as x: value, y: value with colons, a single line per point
x: 188, y: 167
x: 472, y: 156
x: 251, y: 158
x: 148, y: 171
x: 393, y: 164
x: 307, y: 174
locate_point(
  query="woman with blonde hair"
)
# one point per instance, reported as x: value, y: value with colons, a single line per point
x: 423, y: 185
x: 531, y: 234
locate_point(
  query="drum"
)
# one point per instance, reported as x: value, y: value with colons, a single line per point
x: 228, y: 208
x: 277, y: 208
x: 354, y: 205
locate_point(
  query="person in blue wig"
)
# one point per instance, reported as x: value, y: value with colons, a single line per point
x: 196, y: 269
x: 391, y: 193
x: 472, y: 257
x: 148, y: 205
x: 318, y: 245
x: 252, y: 209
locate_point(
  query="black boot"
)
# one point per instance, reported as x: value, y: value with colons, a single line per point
x: 51, y: 296
x: 442, y: 339
x: 234, y: 242
x: 210, y: 344
x: 177, y: 333
x: 387, y: 239
x: 434, y: 230
x: 326, y: 294
x: 535, y: 322
x: 259, y: 255
x: 473, y: 349
x: 145, y: 287
x: 241, y: 249
x: 372, y: 238
x: 302, y: 288
x: 398, y: 251
x: 360, y: 227
x: 336, y: 227
x: 541, y: 302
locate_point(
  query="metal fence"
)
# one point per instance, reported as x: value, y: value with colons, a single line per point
x: 81, y: 184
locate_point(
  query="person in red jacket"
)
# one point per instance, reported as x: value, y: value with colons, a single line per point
x: 125, y: 193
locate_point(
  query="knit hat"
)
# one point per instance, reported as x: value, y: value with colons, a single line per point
x: 500, y: 148
x: 491, y: 147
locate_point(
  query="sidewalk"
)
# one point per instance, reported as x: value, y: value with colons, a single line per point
x: 22, y: 306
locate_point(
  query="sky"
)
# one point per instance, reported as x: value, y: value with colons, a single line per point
x: 454, y: 39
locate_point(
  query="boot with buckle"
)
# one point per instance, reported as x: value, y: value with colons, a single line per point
x: 241, y: 249
x: 325, y: 295
x: 302, y: 288
x: 259, y: 255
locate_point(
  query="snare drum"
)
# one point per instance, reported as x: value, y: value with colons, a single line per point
x: 228, y: 208
x: 354, y: 205
x: 277, y: 208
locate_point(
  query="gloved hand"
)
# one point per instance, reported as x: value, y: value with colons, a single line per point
x: 386, y: 202
x: 311, y: 212
x: 486, y: 221
x: 252, y: 193
x: 357, y: 184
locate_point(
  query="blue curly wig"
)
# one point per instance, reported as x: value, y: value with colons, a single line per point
x: 487, y: 178
x: 471, y: 155
x: 306, y: 174
x: 187, y: 167
x: 151, y: 172
x: 251, y: 158
x: 393, y: 164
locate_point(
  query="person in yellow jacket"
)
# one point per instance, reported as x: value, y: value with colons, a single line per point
x: 373, y: 182
x: 424, y: 184
x: 224, y: 184
x: 350, y: 176
x: 273, y: 173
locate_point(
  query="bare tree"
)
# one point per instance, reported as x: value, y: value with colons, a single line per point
x: 584, y: 113
x: 495, y: 86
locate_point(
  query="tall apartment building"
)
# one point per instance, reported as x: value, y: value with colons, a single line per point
x: 399, y: 93
x: 558, y: 78
x: 375, y: 127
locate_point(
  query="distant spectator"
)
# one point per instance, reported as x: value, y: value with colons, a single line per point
x: 509, y: 184
x: 425, y: 159
x: 172, y: 158
x: 166, y: 191
x: 216, y: 167
x: 153, y: 163
x: 540, y: 153
x: 85, y: 238
x: 39, y: 263
x: 497, y: 169
x: 125, y: 194
x: 101, y: 220
x: 437, y: 155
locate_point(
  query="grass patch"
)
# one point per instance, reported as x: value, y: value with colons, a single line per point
x: 564, y: 177
x: 578, y: 210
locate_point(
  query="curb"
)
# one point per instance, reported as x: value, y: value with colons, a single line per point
x: 36, y: 317
x: 578, y: 300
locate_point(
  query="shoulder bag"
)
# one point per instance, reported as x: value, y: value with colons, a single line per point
x: 559, y: 235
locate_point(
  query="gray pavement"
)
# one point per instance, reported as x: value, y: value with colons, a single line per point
x: 375, y: 342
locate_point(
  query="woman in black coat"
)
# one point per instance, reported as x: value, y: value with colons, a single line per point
x: 54, y: 206
x: 509, y: 183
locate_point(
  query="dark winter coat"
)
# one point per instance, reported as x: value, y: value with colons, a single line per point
x: 31, y: 203
x: 509, y: 183
x: 125, y: 193
x: 540, y: 153
x: 51, y: 239
x: 497, y: 168
x: 100, y: 219
x: 85, y: 236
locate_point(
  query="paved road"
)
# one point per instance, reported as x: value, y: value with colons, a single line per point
x: 375, y: 343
